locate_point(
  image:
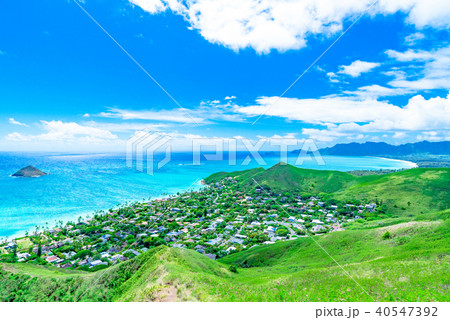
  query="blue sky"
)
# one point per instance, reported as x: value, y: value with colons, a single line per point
x: 66, y: 86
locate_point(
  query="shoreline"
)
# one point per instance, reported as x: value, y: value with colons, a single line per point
x: 412, y: 164
x: 84, y: 215
x: 199, y: 184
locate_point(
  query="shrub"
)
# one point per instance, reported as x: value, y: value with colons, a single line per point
x: 386, y: 235
x: 233, y: 269
x: 282, y: 232
x: 8, y: 258
x: 82, y: 254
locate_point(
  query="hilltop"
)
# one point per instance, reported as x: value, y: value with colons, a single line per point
x: 29, y: 172
x: 285, y: 177
x: 412, y: 191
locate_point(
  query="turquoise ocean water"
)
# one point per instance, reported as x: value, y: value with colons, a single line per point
x: 80, y: 184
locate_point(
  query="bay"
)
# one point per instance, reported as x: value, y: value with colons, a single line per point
x: 79, y: 184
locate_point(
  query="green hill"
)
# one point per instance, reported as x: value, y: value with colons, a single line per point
x: 407, y: 192
x: 403, y: 257
x: 288, y: 178
x: 162, y: 274
x: 411, y: 265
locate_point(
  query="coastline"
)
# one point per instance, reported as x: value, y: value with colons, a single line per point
x: 52, y: 221
x: 412, y: 164
x: 20, y: 234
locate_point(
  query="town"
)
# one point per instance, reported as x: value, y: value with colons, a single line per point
x: 217, y: 220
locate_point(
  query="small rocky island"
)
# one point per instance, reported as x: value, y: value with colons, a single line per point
x: 29, y: 172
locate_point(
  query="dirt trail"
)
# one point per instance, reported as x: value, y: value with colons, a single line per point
x: 167, y: 294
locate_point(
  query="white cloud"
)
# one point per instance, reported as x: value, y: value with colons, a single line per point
x: 124, y: 126
x: 357, y: 67
x: 96, y: 137
x: 333, y: 77
x: 285, y: 24
x: 187, y: 141
x: 435, y: 73
x: 354, y: 70
x: 230, y: 97
x: 175, y: 115
x: 434, y: 136
x: 287, y: 139
x: 375, y: 91
x: 399, y: 135
x: 415, y: 70
x: 343, y: 116
x: 421, y: 13
x: 65, y: 132
x: 410, y: 55
x: 414, y: 38
x: 320, y: 135
x: 205, y: 113
x: 13, y: 121
x: 328, y: 109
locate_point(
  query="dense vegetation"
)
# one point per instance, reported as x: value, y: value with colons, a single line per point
x: 402, y: 257
x: 411, y: 264
x: 407, y: 192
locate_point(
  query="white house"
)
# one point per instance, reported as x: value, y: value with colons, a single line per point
x: 317, y: 228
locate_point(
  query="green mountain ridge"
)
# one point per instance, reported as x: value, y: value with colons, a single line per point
x: 412, y: 191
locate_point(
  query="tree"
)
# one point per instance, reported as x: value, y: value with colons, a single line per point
x: 233, y: 269
x: 282, y: 232
x: 151, y: 242
x: 14, y: 254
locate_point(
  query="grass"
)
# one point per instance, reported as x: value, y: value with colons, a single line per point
x: 24, y: 243
x: 409, y: 192
x: 287, y: 178
x: 412, y: 265
x: 405, y: 193
x: 405, y: 257
x: 39, y: 270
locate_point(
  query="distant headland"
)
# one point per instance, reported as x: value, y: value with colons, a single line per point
x: 29, y: 172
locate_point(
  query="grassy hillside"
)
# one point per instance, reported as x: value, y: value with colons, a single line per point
x: 407, y: 192
x: 405, y: 257
x: 288, y: 178
x: 411, y: 265
x: 162, y: 274
x: 28, y: 282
